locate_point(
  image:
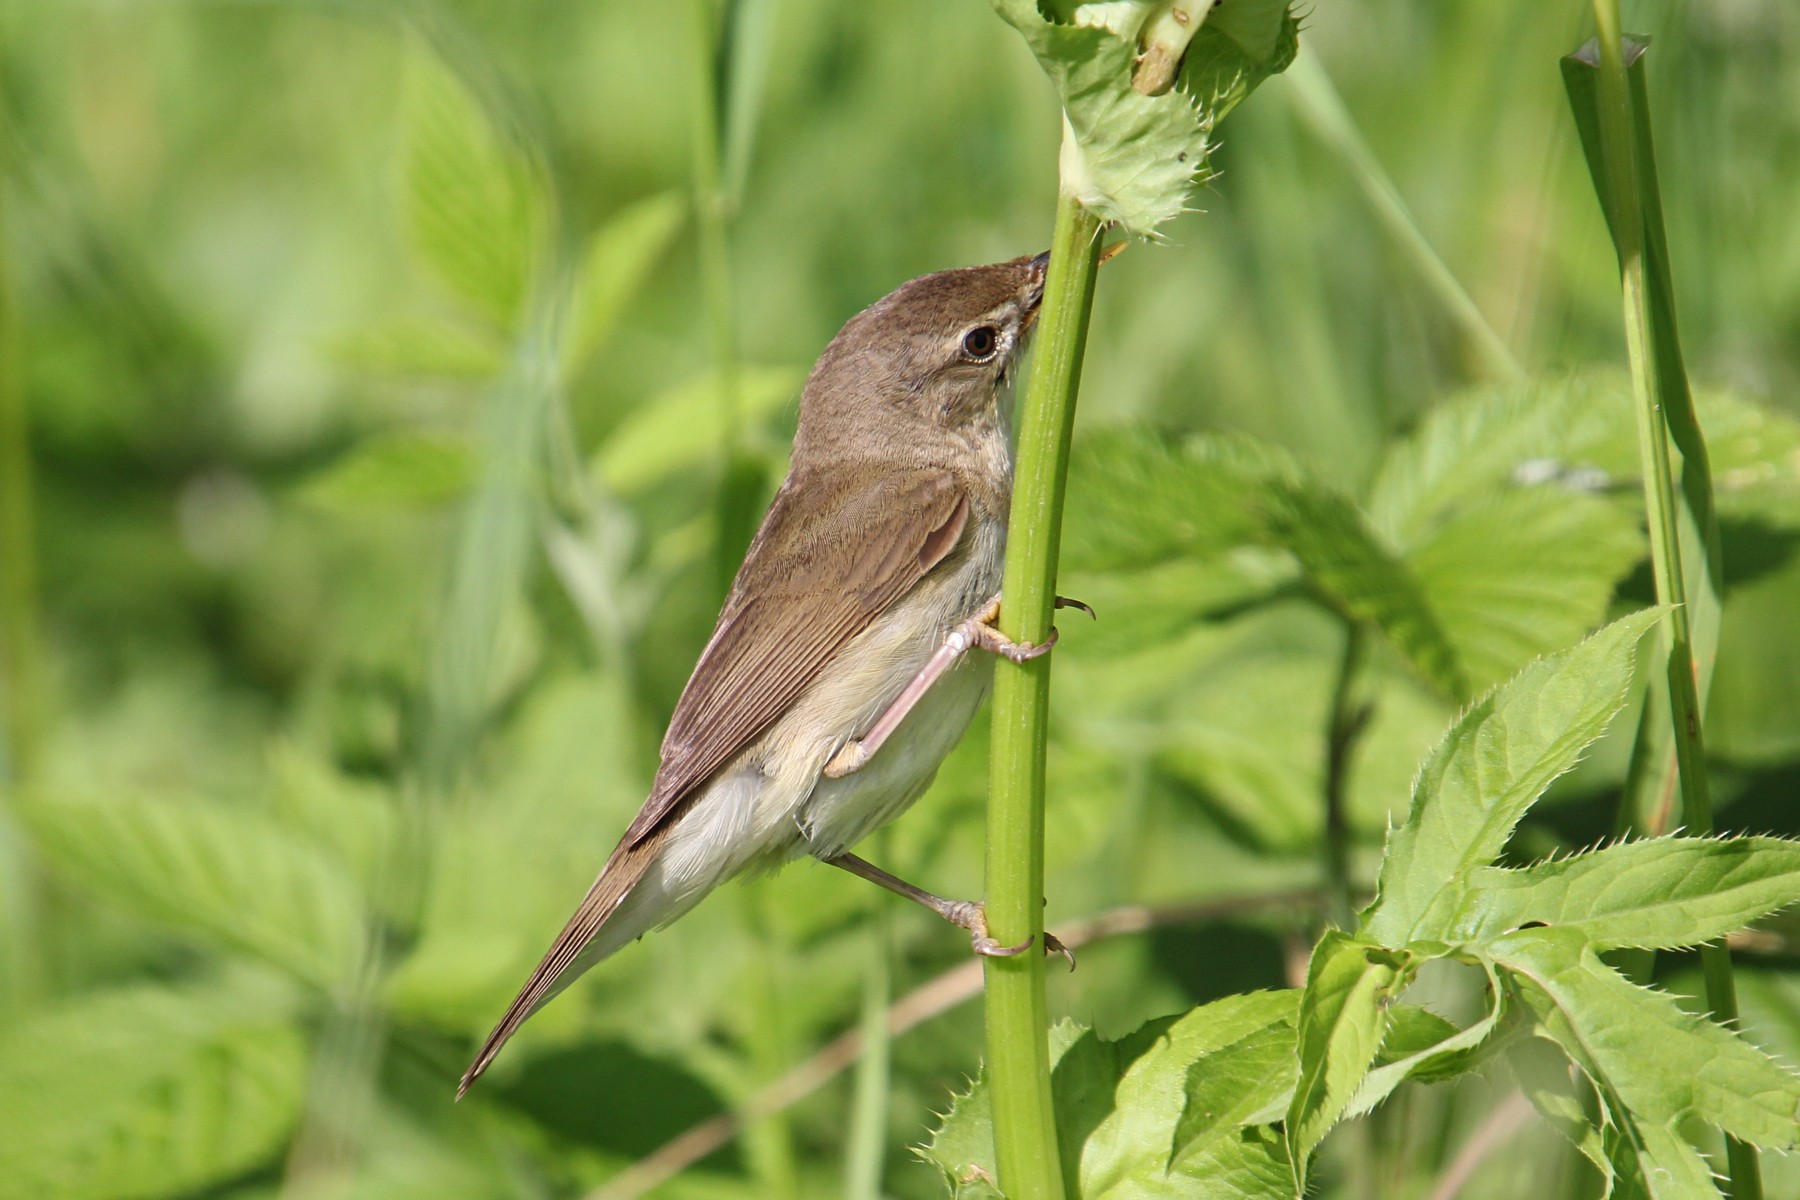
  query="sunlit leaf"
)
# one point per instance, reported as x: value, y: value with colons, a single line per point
x: 1132, y: 158
x: 414, y: 349
x: 1648, y: 1056
x: 406, y: 469
x: 680, y: 428
x: 147, y: 1092
x: 1664, y: 894
x: 617, y: 260
x: 1339, y: 1031
x: 1523, y: 572
x: 474, y: 202
x: 1493, y: 763
x: 229, y: 874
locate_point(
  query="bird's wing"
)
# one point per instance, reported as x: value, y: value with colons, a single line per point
x: 829, y: 559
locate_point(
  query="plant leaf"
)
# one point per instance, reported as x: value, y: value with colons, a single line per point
x: 1339, y: 1032
x: 1451, y: 1054
x: 1522, y: 572
x: 1128, y: 157
x: 618, y: 259
x: 680, y: 428
x: 1660, y: 1063
x: 413, y: 349
x: 1363, y: 578
x: 1547, y: 1079
x: 474, y: 202
x: 1494, y: 762
x: 1663, y: 894
x: 231, y: 875
x: 403, y: 469
x: 1236, y: 1085
x: 147, y: 1092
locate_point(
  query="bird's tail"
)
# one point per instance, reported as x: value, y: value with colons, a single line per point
x: 622, y: 872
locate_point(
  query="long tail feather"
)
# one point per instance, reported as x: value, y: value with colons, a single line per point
x: 623, y: 871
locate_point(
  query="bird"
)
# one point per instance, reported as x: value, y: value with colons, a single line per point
x: 838, y: 676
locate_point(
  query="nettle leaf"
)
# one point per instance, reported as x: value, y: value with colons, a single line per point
x: 617, y: 261
x: 1119, y: 1104
x: 475, y: 204
x: 1481, y: 442
x: 1494, y: 762
x: 229, y: 874
x: 1132, y: 158
x: 1362, y: 578
x: 1340, y: 1028
x: 680, y: 428
x: 147, y: 1092
x: 407, y: 348
x: 1145, y: 499
x: 1650, y: 1059
x: 1664, y: 894
x: 1521, y: 572
x: 403, y: 469
x: 1247, y: 1082
x: 1553, y: 1085
x: 1427, y: 1048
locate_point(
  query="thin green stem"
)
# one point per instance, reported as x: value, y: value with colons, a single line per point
x: 1619, y: 149
x: 1018, y: 1060
x: 866, y: 1147
x: 1320, y: 106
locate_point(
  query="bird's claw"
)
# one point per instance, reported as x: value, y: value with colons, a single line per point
x: 1023, y: 652
x: 1066, y: 602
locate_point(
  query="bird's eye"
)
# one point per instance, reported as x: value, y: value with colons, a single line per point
x: 980, y: 343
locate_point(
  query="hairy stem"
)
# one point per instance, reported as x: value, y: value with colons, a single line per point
x: 1018, y: 1060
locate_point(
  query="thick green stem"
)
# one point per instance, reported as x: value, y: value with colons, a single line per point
x: 865, y: 1151
x: 1018, y: 1056
x: 1618, y: 144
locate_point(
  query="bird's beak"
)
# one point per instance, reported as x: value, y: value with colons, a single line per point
x: 1040, y: 266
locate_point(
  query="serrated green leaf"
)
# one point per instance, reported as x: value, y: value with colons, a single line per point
x: 1522, y: 572
x: 405, y: 469
x: 231, y: 875
x: 1481, y: 442
x: 1339, y: 1031
x: 1548, y: 1079
x: 1141, y: 500
x: 1235, y: 1086
x: 1117, y: 1108
x: 680, y: 428
x: 1363, y: 578
x: 413, y: 349
x: 1662, y: 1064
x: 147, y: 1092
x: 1663, y: 894
x: 1451, y: 1052
x: 475, y: 205
x: 617, y: 260
x: 1494, y: 762
x: 1132, y: 158
x: 1654, y: 1162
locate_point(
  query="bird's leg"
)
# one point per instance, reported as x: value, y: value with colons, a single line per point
x: 976, y: 632
x: 964, y: 914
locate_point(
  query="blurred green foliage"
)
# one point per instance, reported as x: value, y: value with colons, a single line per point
x: 373, y: 440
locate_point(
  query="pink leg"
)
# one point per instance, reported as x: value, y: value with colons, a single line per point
x: 977, y: 631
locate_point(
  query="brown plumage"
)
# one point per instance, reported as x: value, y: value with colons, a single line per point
x: 886, y: 534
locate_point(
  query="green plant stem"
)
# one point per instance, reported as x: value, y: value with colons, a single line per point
x: 735, y: 507
x: 1018, y: 1057
x: 866, y: 1147
x: 1322, y: 109
x: 1618, y: 143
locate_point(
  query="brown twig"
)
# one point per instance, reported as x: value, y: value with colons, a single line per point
x: 930, y: 999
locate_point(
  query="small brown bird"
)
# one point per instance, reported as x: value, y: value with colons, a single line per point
x: 835, y: 681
